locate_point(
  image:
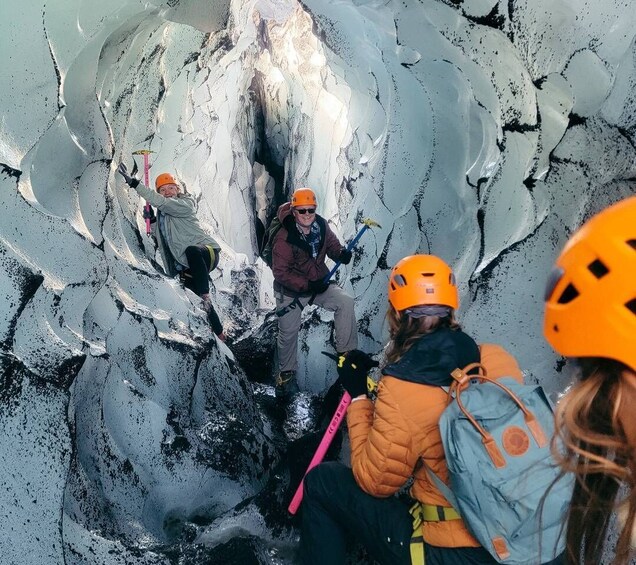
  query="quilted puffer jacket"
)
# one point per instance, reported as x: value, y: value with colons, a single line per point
x: 388, y: 438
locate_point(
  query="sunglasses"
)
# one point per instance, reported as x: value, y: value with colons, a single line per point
x: 305, y: 210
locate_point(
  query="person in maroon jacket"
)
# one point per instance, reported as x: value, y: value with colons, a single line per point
x: 298, y: 263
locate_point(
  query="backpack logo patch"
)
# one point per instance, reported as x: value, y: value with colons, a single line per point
x: 515, y: 441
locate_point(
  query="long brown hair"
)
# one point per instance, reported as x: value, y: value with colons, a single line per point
x: 591, y: 429
x: 405, y: 330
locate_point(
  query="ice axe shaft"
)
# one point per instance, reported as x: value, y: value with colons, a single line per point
x: 368, y: 223
x: 145, y: 153
x: 327, y: 438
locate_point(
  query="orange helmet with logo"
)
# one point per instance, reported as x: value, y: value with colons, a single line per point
x: 303, y: 197
x: 422, y: 279
x: 164, y: 178
x: 590, y: 300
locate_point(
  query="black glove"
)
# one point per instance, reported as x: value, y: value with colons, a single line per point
x: 131, y: 180
x: 345, y: 256
x: 149, y: 214
x: 318, y: 286
x: 353, y: 368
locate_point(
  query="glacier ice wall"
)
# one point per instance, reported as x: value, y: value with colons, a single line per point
x: 478, y: 130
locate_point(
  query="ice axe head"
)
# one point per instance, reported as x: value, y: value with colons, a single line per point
x: 330, y: 355
x: 371, y: 384
x: 368, y: 222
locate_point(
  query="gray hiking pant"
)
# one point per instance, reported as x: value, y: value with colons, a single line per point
x: 333, y: 299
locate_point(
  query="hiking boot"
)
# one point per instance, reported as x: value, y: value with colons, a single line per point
x: 286, y: 385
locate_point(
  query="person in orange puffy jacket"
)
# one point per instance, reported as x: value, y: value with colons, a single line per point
x: 590, y: 315
x: 389, y: 437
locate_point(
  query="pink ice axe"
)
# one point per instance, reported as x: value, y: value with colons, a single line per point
x: 327, y: 438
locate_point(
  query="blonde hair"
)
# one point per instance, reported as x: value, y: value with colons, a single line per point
x: 591, y: 442
x: 405, y: 330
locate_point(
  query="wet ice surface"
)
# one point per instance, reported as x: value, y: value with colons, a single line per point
x: 481, y: 131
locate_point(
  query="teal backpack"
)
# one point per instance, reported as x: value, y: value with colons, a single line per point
x: 503, y: 480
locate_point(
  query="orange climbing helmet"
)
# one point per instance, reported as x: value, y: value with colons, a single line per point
x: 164, y: 178
x: 303, y: 197
x: 590, y: 299
x: 422, y: 279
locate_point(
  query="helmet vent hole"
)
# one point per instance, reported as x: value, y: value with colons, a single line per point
x: 399, y: 280
x: 569, y: 294
x: 598, y: 269
x: 428, y: 274
x: 553, y: 280
x: 631, y: 306
x: 632, y: 243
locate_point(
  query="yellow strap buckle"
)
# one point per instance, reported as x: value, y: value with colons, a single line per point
x: 426, y: 513
x: 432, y: 513
x: 416, y: 513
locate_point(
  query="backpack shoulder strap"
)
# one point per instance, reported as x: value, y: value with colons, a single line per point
x: 441, y: 485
